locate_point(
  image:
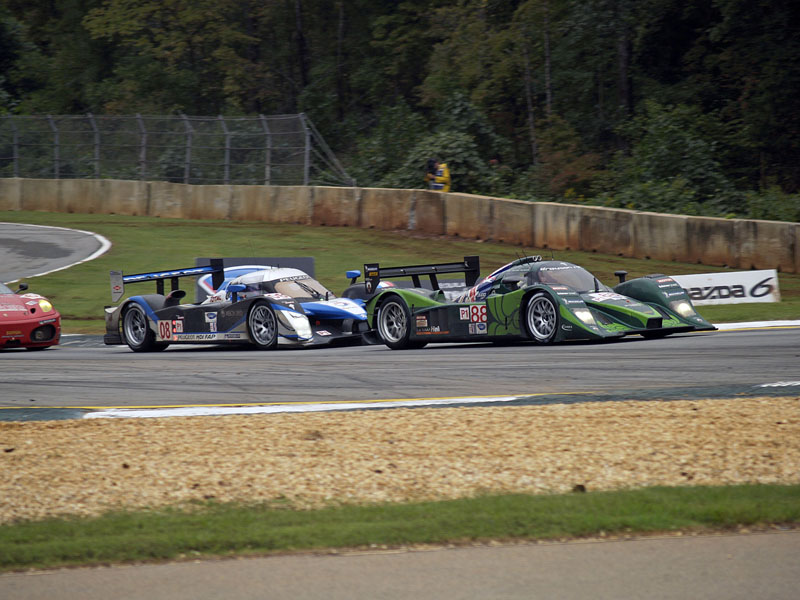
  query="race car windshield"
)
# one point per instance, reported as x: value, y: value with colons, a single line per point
x: 578, y: 278
x: 4, y: 289
x: 304, y: 288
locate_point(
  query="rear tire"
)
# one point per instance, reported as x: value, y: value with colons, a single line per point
x: 394, y: 325
x: 541, y: 318
x: 136, y: 330
x: 262, y: 325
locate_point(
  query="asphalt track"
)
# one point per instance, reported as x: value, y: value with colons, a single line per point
x: 29, y: 250
x: 742, y: 567
x: 82, y: 377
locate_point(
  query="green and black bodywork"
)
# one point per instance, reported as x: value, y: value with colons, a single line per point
x: 527, y: 299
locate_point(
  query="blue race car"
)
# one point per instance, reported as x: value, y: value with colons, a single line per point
x: 260, y: 308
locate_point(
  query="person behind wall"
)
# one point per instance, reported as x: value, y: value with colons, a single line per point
x: 437, y: 175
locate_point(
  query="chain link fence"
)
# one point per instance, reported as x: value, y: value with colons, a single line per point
x: 262, y: 150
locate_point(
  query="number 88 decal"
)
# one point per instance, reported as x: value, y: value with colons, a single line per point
x: 477, y: 313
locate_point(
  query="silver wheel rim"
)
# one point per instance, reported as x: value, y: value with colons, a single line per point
x: 135, y: 326
x: 262, y: 325
x: 392, y: 322
x: 542, y: 318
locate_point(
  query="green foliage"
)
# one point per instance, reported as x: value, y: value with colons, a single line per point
x: 398, y: 129
x: 693, y: 101
x: 674, y: 163
x: 457, y: 149
x: 773, y: 204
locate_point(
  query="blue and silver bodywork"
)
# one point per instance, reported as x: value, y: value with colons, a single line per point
x: 263, y: 307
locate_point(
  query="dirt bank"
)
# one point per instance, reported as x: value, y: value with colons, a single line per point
x: 87, y: 467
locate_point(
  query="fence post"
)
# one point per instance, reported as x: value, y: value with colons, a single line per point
x: 307, y: 152
x: 96, y: 146
x: 142, y: 147
x: 267, y: 150
x: 56, y: 148
x: 187, y: 168
x: 227, y: 171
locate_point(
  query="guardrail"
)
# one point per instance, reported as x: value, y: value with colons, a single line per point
x: 733, y: 243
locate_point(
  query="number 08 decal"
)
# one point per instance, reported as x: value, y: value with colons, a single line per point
x: 165, y: 330
x: 477, y: 313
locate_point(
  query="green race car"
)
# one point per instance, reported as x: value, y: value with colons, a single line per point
x: 528, y: 299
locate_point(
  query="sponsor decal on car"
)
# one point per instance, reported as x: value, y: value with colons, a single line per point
x: 211, y: 317
x: 422, y: 322
x: 191, y: 337
x: 477, y: 328
x: 13, y: 307
x: 323, y: 332
x: 435, y: 330
x: 606, y: 296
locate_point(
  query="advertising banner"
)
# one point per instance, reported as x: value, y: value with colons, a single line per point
x: 731, y: 288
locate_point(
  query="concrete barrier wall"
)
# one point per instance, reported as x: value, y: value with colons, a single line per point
x: 606, y: 230
x: 735, y: 243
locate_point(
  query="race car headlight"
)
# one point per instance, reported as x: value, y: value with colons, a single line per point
x: 585, y: 315
x: 683, y: 308
x: 45, y: 305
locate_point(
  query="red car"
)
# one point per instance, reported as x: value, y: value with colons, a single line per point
x: 27, y: 320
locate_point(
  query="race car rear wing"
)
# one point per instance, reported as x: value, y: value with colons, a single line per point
x: 118, y: 280
x: 470, y: 266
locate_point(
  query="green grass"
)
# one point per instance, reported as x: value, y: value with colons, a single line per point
x: 226, y: 530
x: 145, y: 244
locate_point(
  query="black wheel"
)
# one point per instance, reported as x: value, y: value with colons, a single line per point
x: 394, y: 325
x: 262, y: 325
x: 136, y: 331
x: 541, y: 318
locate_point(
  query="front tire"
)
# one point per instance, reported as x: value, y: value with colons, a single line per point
x: 262, y: 325
x: 394, y: 325
x: 541, y: 318
x: 136, y: 330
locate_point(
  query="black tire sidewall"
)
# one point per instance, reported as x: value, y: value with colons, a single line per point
x: 403, y: 343
x: 526, y: 316
x: 148, y: 342
x: 274, y: 341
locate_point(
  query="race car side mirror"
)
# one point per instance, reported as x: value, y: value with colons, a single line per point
x: 621, y: 275
x: 353, y: 275
x: 22, y: 288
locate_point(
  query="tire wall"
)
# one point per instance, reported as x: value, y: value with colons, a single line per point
x: 734, y: 243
